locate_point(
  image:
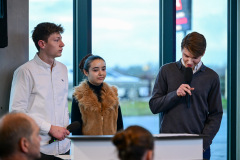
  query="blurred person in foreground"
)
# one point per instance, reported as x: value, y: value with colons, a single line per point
x: 40, y: 88
x: 134, y: 143
x: 19, y: 137
x: 196, y: 107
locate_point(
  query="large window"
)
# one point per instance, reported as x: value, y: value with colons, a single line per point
x: 210, y: 19
x: 58, y: 12
x: 126, y: 34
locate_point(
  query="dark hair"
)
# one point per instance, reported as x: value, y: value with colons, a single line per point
x: 133, y: 142
x: 43, y: 30
x: 86, y: 62
x: 195, y: 43
x: 13, y: 127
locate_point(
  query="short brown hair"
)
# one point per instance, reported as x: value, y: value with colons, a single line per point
x: 43, y: 30
x: 195, y: 43
x: 13, y: 127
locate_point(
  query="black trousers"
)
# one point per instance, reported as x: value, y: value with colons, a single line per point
x: 207, y: 154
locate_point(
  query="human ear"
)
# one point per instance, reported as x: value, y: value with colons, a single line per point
x: 149, y: 155
x: 85, y: 72
x: 41, y: 43
x: 24, y: 144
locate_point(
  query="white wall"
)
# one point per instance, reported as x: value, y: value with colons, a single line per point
x: 16, y: 53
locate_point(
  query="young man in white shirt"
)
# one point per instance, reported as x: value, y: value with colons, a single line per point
x: 40, y: 88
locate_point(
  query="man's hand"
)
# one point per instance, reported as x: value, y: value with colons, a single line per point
x: 184, y: 89
x: 58, y: 132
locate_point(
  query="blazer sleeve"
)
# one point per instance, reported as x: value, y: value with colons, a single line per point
x: 76, y: 116
x: 119, y: 120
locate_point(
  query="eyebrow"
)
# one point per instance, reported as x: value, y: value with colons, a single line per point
x: 59, y: 37
x: 189, y: 56
x: 98, y: 67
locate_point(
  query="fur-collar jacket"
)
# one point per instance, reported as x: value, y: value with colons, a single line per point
x: 98, y: 118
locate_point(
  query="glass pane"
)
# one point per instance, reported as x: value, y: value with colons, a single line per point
x: 52, y: 11
x: 210, y: 19
x: 125, y: 33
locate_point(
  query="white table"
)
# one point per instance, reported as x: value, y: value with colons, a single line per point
x: 166, y: 146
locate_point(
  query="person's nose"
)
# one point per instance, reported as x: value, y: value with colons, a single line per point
x: 190, y: 61
x: 62, y: 44
x: 100, y: 72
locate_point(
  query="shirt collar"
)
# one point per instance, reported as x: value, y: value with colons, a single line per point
x: 196, y: 68
x: 42, y: 63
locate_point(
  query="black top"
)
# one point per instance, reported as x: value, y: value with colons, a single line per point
x: 96, y: 90
x: 77, y: 116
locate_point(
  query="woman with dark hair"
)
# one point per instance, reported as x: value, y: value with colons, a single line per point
x: 135, y: 143
x: 95, y: 103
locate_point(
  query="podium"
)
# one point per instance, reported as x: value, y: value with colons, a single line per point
x: 166, y: 147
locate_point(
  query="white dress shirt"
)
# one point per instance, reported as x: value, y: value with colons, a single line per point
x: 42, y: 94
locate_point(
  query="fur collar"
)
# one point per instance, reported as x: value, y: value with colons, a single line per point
x: 85, y: 96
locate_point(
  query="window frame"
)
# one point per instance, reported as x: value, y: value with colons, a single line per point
x: 233, y: 81
x: 82, y: 31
